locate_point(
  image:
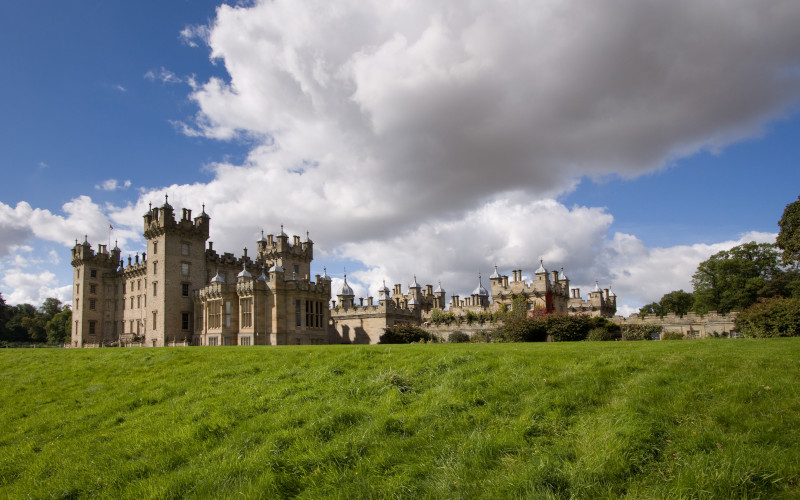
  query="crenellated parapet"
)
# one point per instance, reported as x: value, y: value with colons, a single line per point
x: 160, y: 220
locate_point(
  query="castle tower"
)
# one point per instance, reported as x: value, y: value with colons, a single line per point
x: 480, y: 296
x: 93, y: 294
x: 175, y: 267
x: 345, y: 295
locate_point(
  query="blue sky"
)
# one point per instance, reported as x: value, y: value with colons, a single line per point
x: 431, y: 140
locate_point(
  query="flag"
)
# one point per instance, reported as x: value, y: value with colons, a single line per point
x: 110, y: 226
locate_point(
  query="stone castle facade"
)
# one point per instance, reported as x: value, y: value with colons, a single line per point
x: 182, y: 292
x: 548, y: 291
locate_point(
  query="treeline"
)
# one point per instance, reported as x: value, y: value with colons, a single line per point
x: 25, y: 324
x: 539, y: 327
x: 759, y: 280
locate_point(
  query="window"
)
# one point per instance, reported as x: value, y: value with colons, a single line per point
x: 244, y: 341
x: 155, y: 288
x: 184, y: 321
x: 123, y: 288
x: 131, y: 326
x: 184, y: 249
x: 212, y: 341
x: 214, y: 313
x: 155, y: 319
x: 92, y: 304
x: 93, y: 273
x: 131, y: 302
x: 92, y: 288
x: 185, y: 289
x: 297, y: 270
x: 77, y: 303
x: 155, y: 247
x: 185, y: 268
x: 108, y: 289
x: 227, y: 314
x: 297, y: 312
x: 108, y: 306
x: 77, y: 289
x: 155, y: 267
x: 92, y: 327
x: 79, y: 273
x: 247, y: 313
x: 139, y: 301
x: 138, y: 284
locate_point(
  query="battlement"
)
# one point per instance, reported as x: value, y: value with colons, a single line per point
x: 160, y: 220
x: 84, y: 254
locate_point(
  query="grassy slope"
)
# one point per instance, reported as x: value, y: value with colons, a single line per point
x: 586, y: 420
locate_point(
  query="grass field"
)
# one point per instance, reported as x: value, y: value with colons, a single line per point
x: 690, y: 419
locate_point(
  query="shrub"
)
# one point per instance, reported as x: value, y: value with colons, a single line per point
x: 776, y: 317
x: 516, y: 329
x: 640, y: 332
x: 404, y: 334
x: 672, y: 336
x: 458, y: 337
x: 563, y: 328
x: 601, y: 333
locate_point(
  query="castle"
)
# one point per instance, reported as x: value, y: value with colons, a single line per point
x: 182, y: 292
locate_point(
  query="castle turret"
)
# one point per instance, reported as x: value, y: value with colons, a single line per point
x: 345, y: 295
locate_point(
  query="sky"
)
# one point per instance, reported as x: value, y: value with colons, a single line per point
x: 623, y: 140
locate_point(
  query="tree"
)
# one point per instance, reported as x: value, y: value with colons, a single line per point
x: 789, y: 235
x: 653, y: 308
x: 58, y: 328
x: 678, y: 302
x: 403, y: 334
x: 773, y: 317
x: 732, y: 279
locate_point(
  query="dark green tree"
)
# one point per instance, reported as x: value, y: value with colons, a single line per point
x: 732, y: 279
x: 58, y: 328
x: 653, y: 308
x: 404, y: 334
x: 16, y: 329
x: 773, y: 317
x: 678, y: 302
x: 789, y: 236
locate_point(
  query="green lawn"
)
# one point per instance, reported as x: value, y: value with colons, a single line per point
x: 689, y: 419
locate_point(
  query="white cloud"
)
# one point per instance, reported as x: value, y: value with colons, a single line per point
x: 191, y: 35
x: 113, y: 185
x: 120, y: 88
x: 162, y: 75
x: 33, y: 288
x: 432, y: 137
x: 83, y: 218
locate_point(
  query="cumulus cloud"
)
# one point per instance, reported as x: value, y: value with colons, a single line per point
x: 433, y: 137
x: 33, y: 288
x: 82, y: 218
x: 112, y: 185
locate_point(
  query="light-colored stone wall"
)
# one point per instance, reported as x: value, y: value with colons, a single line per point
x: 691, y: 325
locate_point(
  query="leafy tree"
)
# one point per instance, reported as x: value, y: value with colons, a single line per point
x: 653, y: 308
x: 732, y: 279
x: 403, y: 334
x: 16, y: 330
x: 789, y: 235
x: 58, y: 328
x: 773, y: 317
x: 5, y: 315
x: 678, y: 302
